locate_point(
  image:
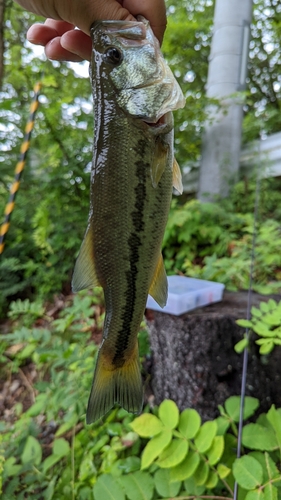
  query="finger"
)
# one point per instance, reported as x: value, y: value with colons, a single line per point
x: 77, y: 42
x: 41, y: 34
x: 154, y: 11
x: 55, y: 51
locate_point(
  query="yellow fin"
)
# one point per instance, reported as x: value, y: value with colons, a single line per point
x: 177, y: 180
x: 159, y: 285
x: 84, y: 274
x: 159, y: 161
x: 121, y: 385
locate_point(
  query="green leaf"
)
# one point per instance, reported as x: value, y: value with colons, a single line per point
x: 10, y: 469
x: 137, y: 486
x: 61, y: 447
x: 275, y: 419
x: 271, y: 468
x: 147, y: 425
x: 107, y: 488
x: 201, y: 473
x: 66, y: 426
x: 163, y: 484
x: 154, y: 447
x: 222, y: 424
x: 248, y: 472
x: 32, y: 452
x: 255, y: 495
x: 192, y: 488
x: 212, y: 480
x: 173, y: 454
x: 186, y: 468
x: 215, y: 452
x: 205, y: 436
x: 169, y: 413
x: 267, y: 347
x: 223, y: 471
x: 232, y: 406
x: 270, y: 492
x: 189, y: 423
x: 256, y: 312
x: 261, y: 329
x: 245, y: 323
x: 50, y: 461
x: 257, y: 437
x: 241, y: 345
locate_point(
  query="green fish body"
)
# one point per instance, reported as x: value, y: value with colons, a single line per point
x: 132, y: 176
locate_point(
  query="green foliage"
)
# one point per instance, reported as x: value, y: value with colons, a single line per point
x: 266, y: 323
x: 213, y: 241
x: 48, y: 452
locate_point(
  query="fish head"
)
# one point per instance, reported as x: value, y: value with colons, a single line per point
x: 127, y: 55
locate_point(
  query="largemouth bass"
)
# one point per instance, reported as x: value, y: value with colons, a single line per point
x: 133, y: 172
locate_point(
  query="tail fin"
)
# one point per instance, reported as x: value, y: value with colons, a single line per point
x: 121, y: 385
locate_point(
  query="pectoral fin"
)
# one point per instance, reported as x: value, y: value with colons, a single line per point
x: 159, y: 285
x: 177, y: 180
x: 159, y: 161
x: 84, y: 274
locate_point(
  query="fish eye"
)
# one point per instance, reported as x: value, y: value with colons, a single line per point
x: 113, y: 56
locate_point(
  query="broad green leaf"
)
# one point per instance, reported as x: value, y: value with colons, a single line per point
x: 275, y: 419
x: 201, y: 473
x: 223, y: 424
x: 137, y: 486
x: 215, y: 452
x: 38, y: 406
x: 223, y: 471
x: 169, y: 413
x: 271, y: 468
x: 205, y: 436
x: 154, y: 447
x: 87, y: 468
x: 32, y: 452
x: 175, y: 452
x: 163, y: 484
x: 61, y: 447
x: 273, y: 318
x: 270, y: 492
x: 257, y: 437
x: 232, y: 406
x: 189, y: 423
x: 50, y: 461
x: 186, y: 468
x: 264, y: 307
x: 192, y: 488
x: 107, y: 488
x: 257, y: 494
x: 248, y: 472
x: 147, y: 425
x: 212, y: 480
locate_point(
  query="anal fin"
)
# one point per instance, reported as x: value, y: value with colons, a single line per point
x: 159, y: 285
x: 84, y: 274
x: 177, y: 179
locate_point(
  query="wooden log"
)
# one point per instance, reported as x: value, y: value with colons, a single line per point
x: 194, y: 362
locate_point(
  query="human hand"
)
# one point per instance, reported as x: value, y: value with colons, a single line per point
x: 63, y: 42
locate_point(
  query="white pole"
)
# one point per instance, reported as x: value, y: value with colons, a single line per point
x: 226, y: 76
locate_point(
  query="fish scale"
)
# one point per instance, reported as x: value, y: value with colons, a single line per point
x: 131, y: 189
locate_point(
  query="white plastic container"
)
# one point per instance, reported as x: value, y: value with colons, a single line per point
x: 185, y: 294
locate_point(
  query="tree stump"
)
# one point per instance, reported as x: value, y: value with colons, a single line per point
x: 194, y: 362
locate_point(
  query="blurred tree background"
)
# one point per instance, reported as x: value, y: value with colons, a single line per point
x: 51, y: 209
